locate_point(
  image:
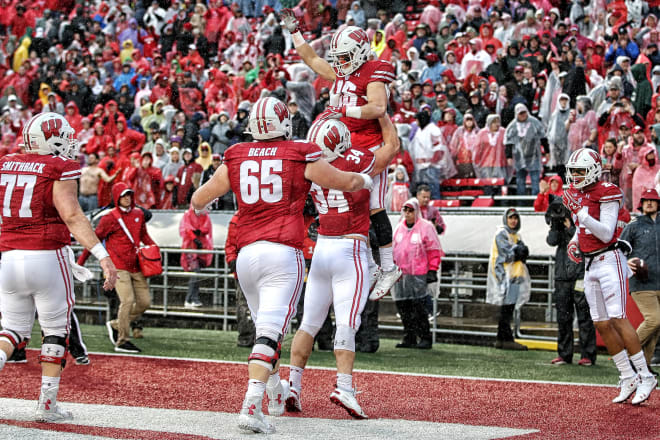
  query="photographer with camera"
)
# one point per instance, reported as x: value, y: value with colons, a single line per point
x: 569, y: 292
x: 643, y: 234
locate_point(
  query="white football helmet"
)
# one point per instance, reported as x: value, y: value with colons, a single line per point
x: 353, y: 43
x: 584, y: 167
x: 269, y: 118
x: 50, y: 133
x: 332, y: 136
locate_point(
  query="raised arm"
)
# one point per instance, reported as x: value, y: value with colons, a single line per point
x: 217, y: 186
x: 390, y: 148
x: 327, y: 176
x: 66, y: 203
x: 308, y: 55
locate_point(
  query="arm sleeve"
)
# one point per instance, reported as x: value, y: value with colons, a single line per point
x: 604, y: 228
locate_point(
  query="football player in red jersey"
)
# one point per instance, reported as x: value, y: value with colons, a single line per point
x: 271, y: 178
x: 40, y: 212
x: 339, y: 271
x: 597, y: 209
x: 359, y: 97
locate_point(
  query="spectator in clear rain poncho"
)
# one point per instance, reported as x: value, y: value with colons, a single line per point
x: 489, y: 158
x: 523, y: 139
x: 399, y: 189
x: 508, y: 283
x: 557, y: 134
x: 431, y: 157
x: 581, y: 123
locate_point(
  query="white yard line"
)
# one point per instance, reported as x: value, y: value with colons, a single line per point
x: 221, y: 425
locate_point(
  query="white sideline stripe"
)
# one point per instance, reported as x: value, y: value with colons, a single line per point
x: 223, y: 425
x: 400, y: 373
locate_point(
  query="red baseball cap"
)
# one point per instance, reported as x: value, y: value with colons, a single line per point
x: 637, y: 129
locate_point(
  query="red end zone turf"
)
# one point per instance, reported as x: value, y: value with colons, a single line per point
x: 556, y: 411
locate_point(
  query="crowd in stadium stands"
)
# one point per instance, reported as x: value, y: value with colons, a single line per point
x: 157, y: 91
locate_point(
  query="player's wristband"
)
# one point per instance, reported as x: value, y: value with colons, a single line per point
x: 368, y: 181
x: 354, y: 112
x: 99, y: 251
x: 298, y: 39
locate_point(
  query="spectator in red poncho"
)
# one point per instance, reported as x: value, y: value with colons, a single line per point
x: 111, y: 164
x: 130, y: 172
x: 127, y: 140
x: 73, y: 116
x: 162, y: 89
x: 189, y: 176
x: 167, y: 194
x: 406, y: 108
x: 196, y: 232
x: 552, y: 187
x: 21, y: 21
x: 111, y: 116
x: 99, y: 141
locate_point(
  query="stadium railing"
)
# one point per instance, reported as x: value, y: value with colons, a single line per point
x: 461, y: 281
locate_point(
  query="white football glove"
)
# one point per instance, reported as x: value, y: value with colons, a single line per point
x: 289, y: 20
x: 570, y: 200
x: 574, y: 253
x: 368, y: 182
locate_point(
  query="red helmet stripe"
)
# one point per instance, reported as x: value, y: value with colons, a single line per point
x: 263, y: 114
x: 256, y: 115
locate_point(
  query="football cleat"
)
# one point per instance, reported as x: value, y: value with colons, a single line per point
x: 628, y: 386
x: 276, y: 397
x: 293, y: 401
x: 347, y: 400
x: 82, y: 360
x: 47, y: 412
x: 646, y: 386
x: 18, y: 357
x: 385, y: 283
x: 251, y: 418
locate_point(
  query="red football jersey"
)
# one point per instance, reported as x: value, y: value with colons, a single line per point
x: 601, y: 192
x: 343, y: 213
x: 268, y: 179
x: 351, y: 91
x: 29, y: 218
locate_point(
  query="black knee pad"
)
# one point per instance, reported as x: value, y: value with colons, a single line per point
x: 382, y: 227
x: 54, y: 349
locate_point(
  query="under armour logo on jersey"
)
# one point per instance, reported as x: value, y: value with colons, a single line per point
x: 51, y: 128
x: 47, y: 404
x: 251, y: 408
x: 279, y: 399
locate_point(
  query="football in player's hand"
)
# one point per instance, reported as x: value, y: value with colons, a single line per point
x: 639, y: 268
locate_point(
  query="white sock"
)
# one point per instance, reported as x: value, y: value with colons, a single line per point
x: 49, y: 388
x: 3, y: 358
x: 295, y: 377
x: 345, y: 381
x: 639, y: 361
x: 370, y: 259
x: 256, y: 388
x: 273, y: 380
x: 623, y: 363
x: 386, y: 259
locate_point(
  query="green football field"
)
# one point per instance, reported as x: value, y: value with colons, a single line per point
x: 443, y: 359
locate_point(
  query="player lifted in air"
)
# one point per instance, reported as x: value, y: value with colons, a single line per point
x: 40, y: 211
x: 359, y: 97
x: 597, y: 208
x: 271, y: 178
x: 339, y: 272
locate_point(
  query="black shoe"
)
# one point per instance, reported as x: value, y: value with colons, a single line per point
x: 112, y: 333
x: 425, y: 344
x: 512, y: 345
x: 82, y: 360
x: 407, y: 343
x: 368, y: 348
x: 18, y: 357
x: 127, y: 347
